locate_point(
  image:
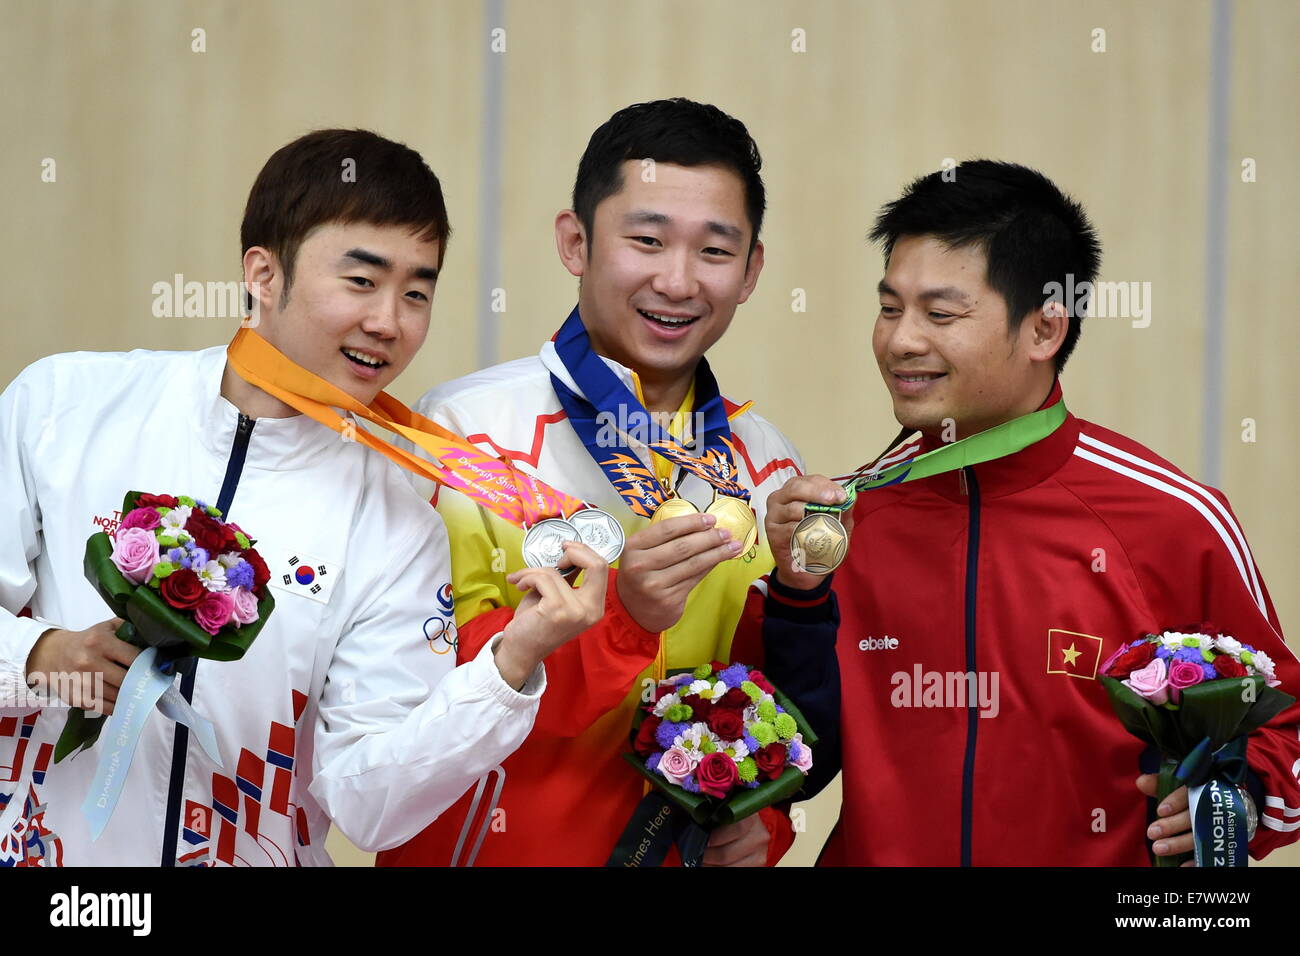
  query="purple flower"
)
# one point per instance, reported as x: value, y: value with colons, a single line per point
x: 240, y: 576
x: 652, y: 762
x: 734, y: 676
x: 753, y: 745
x: 1163, y: 652
x: 1210, y: 672
x: 667, y: 731
x: 681, y: 679
x: 690, y: 784
x: 1190, y: 654
x: 175, y: 555
x: 792, y: 751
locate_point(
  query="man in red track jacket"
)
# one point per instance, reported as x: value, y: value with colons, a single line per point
x: 1026, y: 571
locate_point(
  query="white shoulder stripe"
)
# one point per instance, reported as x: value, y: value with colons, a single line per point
x: 1276, y: 825
x: 1279, y: 804
x: 1196, y: 503
x: 1209, y: 499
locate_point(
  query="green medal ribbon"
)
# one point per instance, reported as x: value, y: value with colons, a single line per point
x: 997, y: 442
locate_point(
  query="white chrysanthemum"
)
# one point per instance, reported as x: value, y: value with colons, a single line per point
x: 750, y: 714
x: 1207, y: 642
x: 662, y: 705
x: 698, y: 687
x: 1172, y: 639
x: 1229, y: 645
x: 736, y: 750
x: 689, y: 739
x: 213, y: 576
x: 719, y: 691
x: 229, y: 560
x: 1263, y: 663
x: 174, y: 520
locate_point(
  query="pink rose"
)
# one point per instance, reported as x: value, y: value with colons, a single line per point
x: 1183, y: 674
x: 135, y: 552
x: 804, y: 763
x: 1151, y: 682
x: 146, y: 518
x: 245, y: 606
x: 676, y: 765
x: 213, y: 612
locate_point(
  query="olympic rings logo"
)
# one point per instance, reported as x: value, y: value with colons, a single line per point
x: 441, y: 635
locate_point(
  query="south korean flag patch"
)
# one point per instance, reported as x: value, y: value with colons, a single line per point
x: 297, y: 572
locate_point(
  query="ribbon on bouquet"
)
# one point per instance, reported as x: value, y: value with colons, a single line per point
x: 1216, y: 802
x: 148, y: 685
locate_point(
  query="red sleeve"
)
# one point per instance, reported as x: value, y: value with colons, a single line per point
x: 585, y: 678
x: 1240, y: 604
x: 779, y: 830
x: 1210, y: 576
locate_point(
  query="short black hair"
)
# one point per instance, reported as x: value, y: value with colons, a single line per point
x: 1031, y: 232
x: 303, y: 186
x: 677, y: 131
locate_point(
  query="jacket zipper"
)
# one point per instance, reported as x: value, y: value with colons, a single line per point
x: 189, y: 666
x: 972, y: 707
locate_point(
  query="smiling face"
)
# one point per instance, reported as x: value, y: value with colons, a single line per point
x: 669, y: 263
x: 944, y: 347
x: 358, y: 308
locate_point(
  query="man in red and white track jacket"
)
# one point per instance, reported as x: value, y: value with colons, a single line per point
x: 1027, y: 571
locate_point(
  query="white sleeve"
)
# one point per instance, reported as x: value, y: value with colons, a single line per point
x: 24, y: 419
x: 401, y: 732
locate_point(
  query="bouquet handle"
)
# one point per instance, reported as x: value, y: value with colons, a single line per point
x: 1166, y: 784
x: 81, y: 731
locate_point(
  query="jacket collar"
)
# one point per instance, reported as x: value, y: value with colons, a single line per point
x: 1012, y: 473
x: 276, y: 444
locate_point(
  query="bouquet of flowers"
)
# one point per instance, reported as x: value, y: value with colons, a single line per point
x: 186, y: 583
x: 1195, y: 695
x: 718, y: 743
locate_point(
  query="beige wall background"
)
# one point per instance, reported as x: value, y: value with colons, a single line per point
x: 155, y: 146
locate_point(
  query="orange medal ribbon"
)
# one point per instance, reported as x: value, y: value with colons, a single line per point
x: 509, y: 493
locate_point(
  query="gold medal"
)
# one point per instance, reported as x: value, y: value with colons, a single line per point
x: 737, y: 517
x: 819, y: 544
x: 673, y: 507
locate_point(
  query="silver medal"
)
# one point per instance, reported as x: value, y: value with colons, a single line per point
x: 599, y: 531
x: 544, y: 542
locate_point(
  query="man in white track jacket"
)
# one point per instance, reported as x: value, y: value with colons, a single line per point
x: 348, y: 706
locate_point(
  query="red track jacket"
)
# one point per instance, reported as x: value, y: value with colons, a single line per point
x: 1028, y: 571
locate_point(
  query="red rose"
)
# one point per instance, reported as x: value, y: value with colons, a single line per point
x: 1135, y: 658
x: 1227, y: 667
x: 645, y: 744
x: 156, y: 501
x: 735, y: 699
x: 717, y: 666
x: 182, y: 589
x: 206, y: 532
x: 717, y: 774
x: 700, y: 708
x: 261, y: 574
x: 762, y: 683
x: 726, y: 723
x: 771, y: 760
